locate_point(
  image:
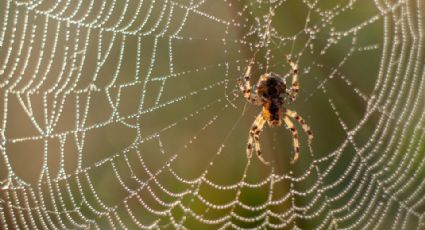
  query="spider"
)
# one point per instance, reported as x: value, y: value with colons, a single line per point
x: 271, y: 93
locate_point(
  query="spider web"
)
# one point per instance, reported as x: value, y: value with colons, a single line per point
x: 126, y: 114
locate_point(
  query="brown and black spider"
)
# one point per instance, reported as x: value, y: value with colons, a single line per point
x: 271, y: 93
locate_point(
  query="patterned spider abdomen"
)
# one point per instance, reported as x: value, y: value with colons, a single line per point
x: 271, y: 88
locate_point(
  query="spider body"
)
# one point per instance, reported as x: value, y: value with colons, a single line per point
x: 272, y: 89
x: 272, y: 94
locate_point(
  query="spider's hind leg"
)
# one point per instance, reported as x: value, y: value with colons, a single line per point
x: 295, y: 87
x: 245, y: 85
x: 254, y: 138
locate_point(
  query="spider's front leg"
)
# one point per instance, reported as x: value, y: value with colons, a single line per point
x: 245, y: 85
x: 304, y: 125
x: 291, y: 127
x: 254, y: 138
x: 295, y: 87
x: 296, y: 143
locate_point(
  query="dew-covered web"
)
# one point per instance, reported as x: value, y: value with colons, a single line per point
x: 127, y: 114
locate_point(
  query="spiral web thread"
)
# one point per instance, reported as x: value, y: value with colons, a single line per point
x: 66, y: 69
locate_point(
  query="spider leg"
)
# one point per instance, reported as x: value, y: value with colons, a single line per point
x: 254, y: 138
x: 294, y: 132
x: 245, y: 85
x: 295, y: 87
x: 300, y: 120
